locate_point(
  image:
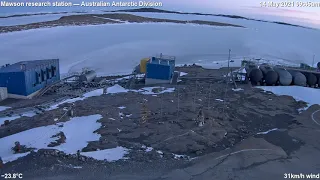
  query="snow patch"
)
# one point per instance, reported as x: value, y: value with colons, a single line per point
x: 148, y: 149
x: 177, y: 156
x: 109, y: 155
x: 266, y: 132
x: 183, y: 73
x: 14, y: 117
x: 41, y: 137
x: 2, y: 108
x: 238, y: 89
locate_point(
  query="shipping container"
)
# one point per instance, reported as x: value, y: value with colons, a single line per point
x: 27, y: 77
x: 158, y: 71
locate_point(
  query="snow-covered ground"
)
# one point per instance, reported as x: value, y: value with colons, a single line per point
x: 306, y: 94
x: 98, y: 92
x: 41, y: 137
x: 112, y: 154
x: 2, y: 108
x: 98, y: 47
x: 26, y: 114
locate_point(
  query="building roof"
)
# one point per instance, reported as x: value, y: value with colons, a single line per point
x: 16, y: 67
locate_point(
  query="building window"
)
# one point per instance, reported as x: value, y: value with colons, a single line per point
x: 37, y: 78
x: 42, y: 76
x: 53, y: 69
x: 47, y: 73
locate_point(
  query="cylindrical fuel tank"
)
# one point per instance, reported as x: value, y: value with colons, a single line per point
x: 249, y: 68
x: 298, y: 78
x: 269, y: 75
x: 88, y: 76
x: 285, y: 78
x: 318, y: 82
x: 311, y: 78
x: 255, y: 75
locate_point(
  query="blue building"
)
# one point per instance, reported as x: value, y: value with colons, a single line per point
x: 160, y: 70
x: 24, y: 79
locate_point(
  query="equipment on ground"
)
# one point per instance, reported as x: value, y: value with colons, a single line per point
x: 87, y: 76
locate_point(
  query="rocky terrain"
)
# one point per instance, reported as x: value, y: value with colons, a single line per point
x: 169, y: 124
x: 97, y: 19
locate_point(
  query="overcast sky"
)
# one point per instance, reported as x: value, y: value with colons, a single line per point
x: 309, y: 16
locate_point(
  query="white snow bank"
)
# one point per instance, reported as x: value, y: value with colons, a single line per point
x: 238, y: 89
x: 78, y: 131
x: 183, y: 73
x: 266, y: 132
x: 76, y: 139
x: 14, y: 117
x: 2, y: 108
x: 116, y: 89
x: 178, y: 156
x: 306, y: 94
x: 110, y: 155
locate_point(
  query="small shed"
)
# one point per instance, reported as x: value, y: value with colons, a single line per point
x: 159, y: 70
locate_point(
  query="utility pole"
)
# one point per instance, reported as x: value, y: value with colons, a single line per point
x: 161, y: 101
x: 229, y: 60
x: 209, y: 98
x: 178, y: 104
x: 195, y: 96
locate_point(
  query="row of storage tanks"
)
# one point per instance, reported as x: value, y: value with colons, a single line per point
x: 267, y: 75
